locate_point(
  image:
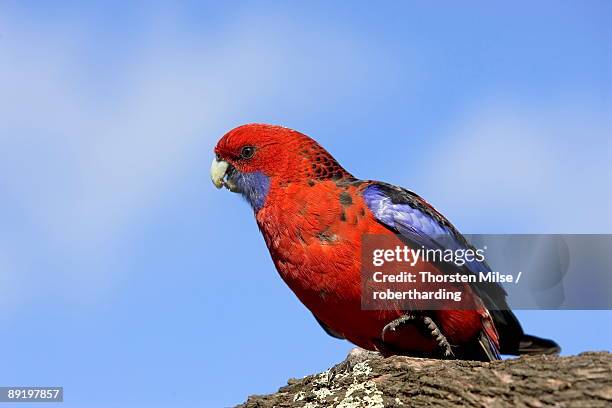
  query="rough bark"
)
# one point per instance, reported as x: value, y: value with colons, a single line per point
x: 584, y: 380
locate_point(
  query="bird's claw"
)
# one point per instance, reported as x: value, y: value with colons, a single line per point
x: 429, y: 324
x: 444, y: 345
x: 392, y: 326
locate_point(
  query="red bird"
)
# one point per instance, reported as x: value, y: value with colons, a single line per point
x: 313, y: 213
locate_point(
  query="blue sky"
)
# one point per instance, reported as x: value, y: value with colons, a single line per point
x: 128, y: 279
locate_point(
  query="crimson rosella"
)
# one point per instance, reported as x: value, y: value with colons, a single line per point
x: 312, y: 214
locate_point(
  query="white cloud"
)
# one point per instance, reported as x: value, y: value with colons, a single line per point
x: 545, y: 166
x: 90, y: 153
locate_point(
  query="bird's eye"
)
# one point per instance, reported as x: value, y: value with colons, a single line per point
x: 247, y: 152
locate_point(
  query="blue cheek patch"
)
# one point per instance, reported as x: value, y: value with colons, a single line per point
x: 254, y: 187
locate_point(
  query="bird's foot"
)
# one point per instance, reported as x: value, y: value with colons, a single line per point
x: 428, y: 325
x: 400, y: 321
x: 443, y: 343
x: 354, y: 357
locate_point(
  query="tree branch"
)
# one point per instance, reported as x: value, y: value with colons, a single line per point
x: 584, y: 380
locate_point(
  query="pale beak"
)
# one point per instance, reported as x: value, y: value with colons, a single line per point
x: 217, y: 172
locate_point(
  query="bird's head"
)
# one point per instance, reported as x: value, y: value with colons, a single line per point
x: 253, y: 158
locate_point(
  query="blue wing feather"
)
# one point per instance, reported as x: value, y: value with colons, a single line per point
x: 418, y: 223
x: 411, y: 217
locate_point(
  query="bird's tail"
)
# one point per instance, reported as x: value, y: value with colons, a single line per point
x: 513, y: 340
x: 483, y: 348
x: 536, y: 345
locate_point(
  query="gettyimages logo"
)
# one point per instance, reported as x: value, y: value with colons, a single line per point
x: 412, y: 256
